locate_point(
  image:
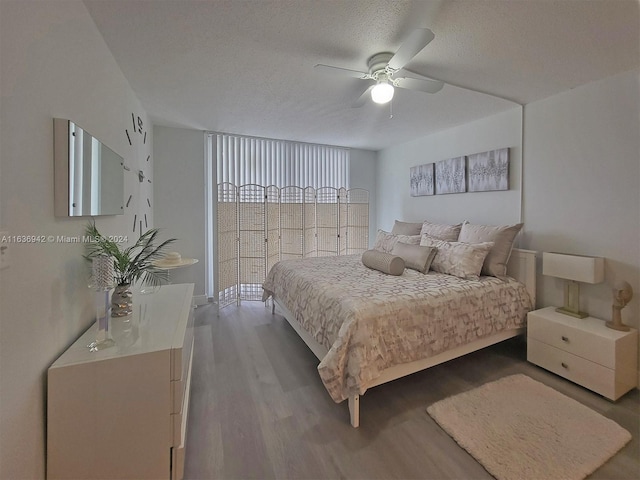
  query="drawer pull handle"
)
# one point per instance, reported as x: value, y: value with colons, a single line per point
x: 565, y: 339
x: 564, y: 365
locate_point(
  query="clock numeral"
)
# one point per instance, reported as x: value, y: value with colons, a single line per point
x: 140, y: 227
x: 135, y: 220
x: 148, y: 203
x: 148, y: 156
x: 129, y: 201
x: 137, y: 127
x: 145, y: 221
x: 144, y: 140
x: 128, y: 137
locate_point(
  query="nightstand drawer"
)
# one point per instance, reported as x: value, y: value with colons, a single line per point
x: 573, y: 336
x: 572, y: 367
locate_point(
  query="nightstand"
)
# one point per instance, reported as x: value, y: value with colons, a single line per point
x: 584, y: 351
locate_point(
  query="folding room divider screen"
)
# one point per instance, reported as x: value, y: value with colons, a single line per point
x: 258, y: 226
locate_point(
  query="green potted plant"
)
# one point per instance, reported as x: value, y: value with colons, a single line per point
x: 130, y: 264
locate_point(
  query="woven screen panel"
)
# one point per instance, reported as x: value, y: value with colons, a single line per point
x: 227, y: 268
x: 357, y: 221
x: 327, y: 221
x: 274, y: 218
x: 291, y: 222
x: 251, y: 233
x: 342, y: 221
x: 310, y: 241
x: 327, y: 229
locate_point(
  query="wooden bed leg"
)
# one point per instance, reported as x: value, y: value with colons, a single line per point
x: 354, y: 410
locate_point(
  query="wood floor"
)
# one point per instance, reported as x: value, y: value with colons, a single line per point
x: 259, y: 410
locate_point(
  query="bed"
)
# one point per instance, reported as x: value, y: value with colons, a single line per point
x: 368, y: 328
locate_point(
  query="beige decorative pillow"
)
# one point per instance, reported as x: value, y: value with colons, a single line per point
x: 406, y: 228
x: 462, y: 260
x: 415, y: 257
x: 383, y: 262
x: 440, y: 231
x: 502, y: 236
x: 385, y: 241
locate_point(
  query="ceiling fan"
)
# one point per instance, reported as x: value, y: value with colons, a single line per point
x: 383, y: 68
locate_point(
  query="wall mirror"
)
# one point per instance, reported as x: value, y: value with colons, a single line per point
x: 89, y: 176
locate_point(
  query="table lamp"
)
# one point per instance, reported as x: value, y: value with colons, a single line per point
x: 575, y: 268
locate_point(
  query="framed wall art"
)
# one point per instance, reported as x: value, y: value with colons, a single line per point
x: 422, y: 181
x: 451, y: 176
x: 489, y: 171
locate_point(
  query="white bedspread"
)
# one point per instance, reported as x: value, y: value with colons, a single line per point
x: 370, y: 321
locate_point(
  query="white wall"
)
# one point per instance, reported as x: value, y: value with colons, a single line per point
x: 393, y: 197
x: 582, y: 185
x: 179, y: 191
x: 54, y: 63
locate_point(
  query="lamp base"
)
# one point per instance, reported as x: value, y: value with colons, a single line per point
x: 573, y: 313
x: 618, y: 326
x: 572, y: 301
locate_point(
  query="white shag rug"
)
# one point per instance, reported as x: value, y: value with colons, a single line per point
x: 520, y: 429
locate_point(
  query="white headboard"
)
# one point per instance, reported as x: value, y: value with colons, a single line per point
x: 522, y: 267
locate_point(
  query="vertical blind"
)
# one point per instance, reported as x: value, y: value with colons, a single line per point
x: 249, y: 160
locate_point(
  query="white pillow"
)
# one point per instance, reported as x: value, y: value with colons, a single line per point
x: 385, y: 241
x: 441, y: 231
x: 415, y: 257
x: 502, y: 236
x: 462, y: 260
x: 406, y: 228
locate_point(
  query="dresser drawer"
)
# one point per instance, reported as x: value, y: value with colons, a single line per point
x: 180, y: 417
x: 572, y: 367
x: 178, y: 387
x: 573, y: 336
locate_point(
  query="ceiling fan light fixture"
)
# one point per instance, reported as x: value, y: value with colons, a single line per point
x: 382, y: 92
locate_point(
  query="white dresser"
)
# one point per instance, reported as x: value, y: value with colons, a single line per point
x: 121, y: 413
x: 584, y: 351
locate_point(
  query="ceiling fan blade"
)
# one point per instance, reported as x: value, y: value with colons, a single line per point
x: 340, y: 71
x: 362, y: 99
x: 429, y: 86
x: 415, y: 42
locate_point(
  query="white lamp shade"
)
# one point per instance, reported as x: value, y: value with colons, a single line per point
x: 573, y: 267
x: 382, y: 92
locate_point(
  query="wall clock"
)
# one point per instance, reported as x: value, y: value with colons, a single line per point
x: 139, y: 202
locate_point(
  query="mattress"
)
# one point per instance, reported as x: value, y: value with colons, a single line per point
x: 369, y: 321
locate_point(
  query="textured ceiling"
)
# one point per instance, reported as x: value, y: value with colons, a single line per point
x: 246, y: 66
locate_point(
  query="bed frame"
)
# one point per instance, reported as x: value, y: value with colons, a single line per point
x: 522, y: 267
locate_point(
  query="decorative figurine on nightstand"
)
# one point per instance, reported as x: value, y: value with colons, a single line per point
x: 622, y: 294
